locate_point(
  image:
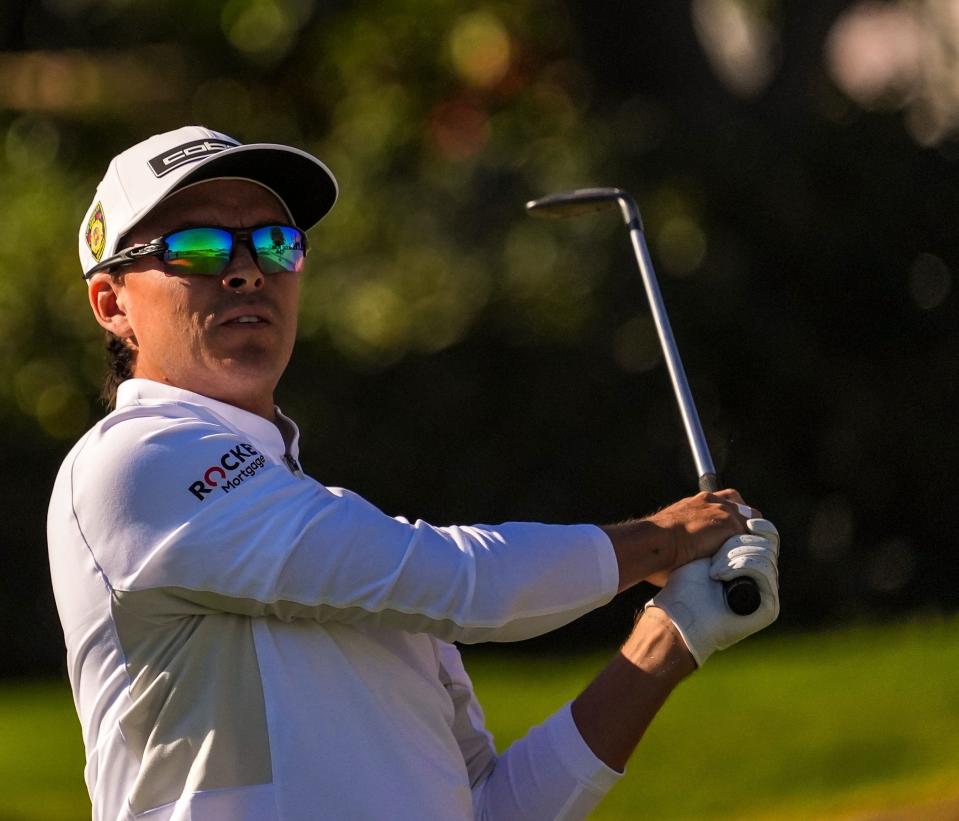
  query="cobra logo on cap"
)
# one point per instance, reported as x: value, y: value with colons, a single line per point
x: 96, y: 235
x: 188, y: 152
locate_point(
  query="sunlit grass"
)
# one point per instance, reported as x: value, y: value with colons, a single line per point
x: 817, y: 726
x: 41, y: 755
x: 826, y: 726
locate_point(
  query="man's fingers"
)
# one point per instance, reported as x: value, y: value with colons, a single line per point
x: 730, y: 494
x: 745, y: 511
x: 765, y: 529
x: 700, y: 523
x: 733, y: 501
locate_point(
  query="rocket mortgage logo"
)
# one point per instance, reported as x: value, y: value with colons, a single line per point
x: 234, y: 468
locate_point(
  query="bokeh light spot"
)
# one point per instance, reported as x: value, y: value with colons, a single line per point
x: 636, y: 346
x: 370, y: 322
x: 264, y: 29
x: 873, y: 52
x: 32, y: 143
x: 530, y: 253
x: 681, y: 244
x: 62, y: 411
x: 892, y: 55
x: 552, y: 295
x: 930, y: 281
x: 459, y: 129
x: 739, y: 42
x: 480, y: 49
x: 370, y: 121
x: 44, y: 391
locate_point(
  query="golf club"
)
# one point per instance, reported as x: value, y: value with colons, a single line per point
x: 742, y: 594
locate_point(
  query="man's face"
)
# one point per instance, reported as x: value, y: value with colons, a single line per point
x: 186, y: 329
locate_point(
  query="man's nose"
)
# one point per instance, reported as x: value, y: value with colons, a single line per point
x: 242, y: 274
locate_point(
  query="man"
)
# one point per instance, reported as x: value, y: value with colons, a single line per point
x: 245, y: 643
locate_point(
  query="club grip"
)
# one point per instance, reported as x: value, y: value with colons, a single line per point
x: 742, y: 594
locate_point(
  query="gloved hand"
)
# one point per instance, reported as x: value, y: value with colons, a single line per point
x: 693, y: 596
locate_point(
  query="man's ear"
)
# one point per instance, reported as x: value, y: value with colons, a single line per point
x: 106, y: 299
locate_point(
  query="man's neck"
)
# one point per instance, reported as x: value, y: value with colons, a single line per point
x: 261, y: 405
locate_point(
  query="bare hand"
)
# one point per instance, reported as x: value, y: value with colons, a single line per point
x: 696, y: 526
x: 692, y: 528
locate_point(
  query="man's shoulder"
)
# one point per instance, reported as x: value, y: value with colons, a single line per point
x: 132, y: 429
x: 141, y: 460
x: 136, y: 439
x: 163, y: 413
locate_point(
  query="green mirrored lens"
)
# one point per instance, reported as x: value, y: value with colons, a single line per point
x: 199, y: 250
x: 279, y: 248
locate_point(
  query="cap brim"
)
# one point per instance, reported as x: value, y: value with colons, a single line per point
x: 306, y: 186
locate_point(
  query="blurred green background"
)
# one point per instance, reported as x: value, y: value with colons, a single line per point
x: 795, y: 164
x: 776, y: 729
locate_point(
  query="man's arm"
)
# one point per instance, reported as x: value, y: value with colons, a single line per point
x: 615, y: 709
x: 648, y: 549
x: 563, y: 767
x: 678, y: 630
x: 282, y: 546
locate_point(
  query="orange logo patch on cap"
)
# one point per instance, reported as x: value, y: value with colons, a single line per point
x: 97, y: 232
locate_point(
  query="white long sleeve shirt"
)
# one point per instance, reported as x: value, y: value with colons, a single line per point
x: 245, y: 644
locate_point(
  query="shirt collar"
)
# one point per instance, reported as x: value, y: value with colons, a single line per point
x: 282, y: 437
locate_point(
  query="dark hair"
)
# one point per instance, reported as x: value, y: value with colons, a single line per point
x: 121, y: 358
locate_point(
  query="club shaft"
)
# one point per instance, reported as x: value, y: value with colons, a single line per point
x: 742, y: 593
x: 705, y: 469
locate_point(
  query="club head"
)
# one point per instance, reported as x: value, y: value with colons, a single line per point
x: 574, y: 203
x: 585, y: 201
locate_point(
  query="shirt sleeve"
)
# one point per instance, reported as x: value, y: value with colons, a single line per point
x: 150, y: 503
x: 550, y: 773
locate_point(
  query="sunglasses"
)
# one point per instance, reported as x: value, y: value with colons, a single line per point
x: 207, y: 250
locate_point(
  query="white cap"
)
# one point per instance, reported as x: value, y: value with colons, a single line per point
x: 150, y: 171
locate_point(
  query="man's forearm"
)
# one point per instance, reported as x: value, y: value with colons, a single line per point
x: 692, y: 528
x: 615, y: 709
x: 642, y: 550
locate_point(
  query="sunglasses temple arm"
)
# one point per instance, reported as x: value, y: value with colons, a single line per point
x: 127, y: 256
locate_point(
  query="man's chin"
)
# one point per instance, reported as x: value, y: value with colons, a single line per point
x: 253, y: 355
x: 248, y: 370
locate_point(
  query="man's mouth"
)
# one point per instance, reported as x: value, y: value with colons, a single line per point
x: 255, y: 318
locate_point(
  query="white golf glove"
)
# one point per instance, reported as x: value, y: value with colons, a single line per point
x: 693, y: 597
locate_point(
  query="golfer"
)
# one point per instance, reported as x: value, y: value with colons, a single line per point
x: 247, y: 644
